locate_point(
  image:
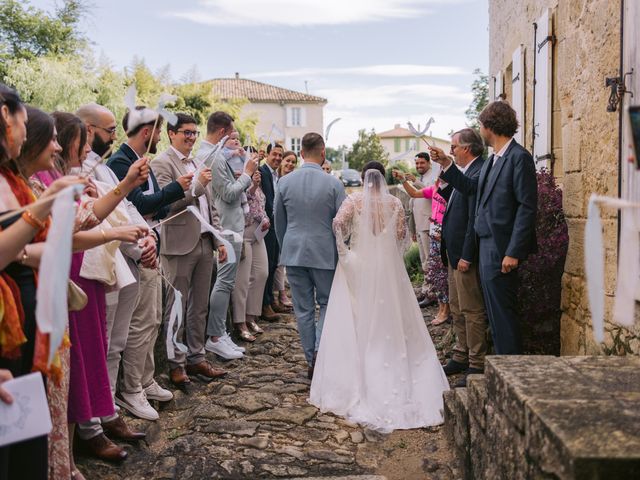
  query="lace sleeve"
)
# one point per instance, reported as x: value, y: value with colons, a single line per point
x: 402, y: 234
x: 85, y: 217
x: 343, y: 223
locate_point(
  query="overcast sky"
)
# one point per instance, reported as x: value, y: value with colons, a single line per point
x: 378, y: 62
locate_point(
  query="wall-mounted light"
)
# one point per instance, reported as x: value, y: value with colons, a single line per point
x: 618, y: 89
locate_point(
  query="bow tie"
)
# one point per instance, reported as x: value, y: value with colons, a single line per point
x: 186, y: 160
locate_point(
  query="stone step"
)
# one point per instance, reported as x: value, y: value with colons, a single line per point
x: 548, y: 417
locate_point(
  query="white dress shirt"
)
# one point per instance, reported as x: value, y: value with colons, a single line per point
x: 190, y: 167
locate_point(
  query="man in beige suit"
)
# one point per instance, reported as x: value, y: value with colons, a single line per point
x: 186, y: 252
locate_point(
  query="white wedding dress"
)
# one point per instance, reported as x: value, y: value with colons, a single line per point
x: 376, y: 363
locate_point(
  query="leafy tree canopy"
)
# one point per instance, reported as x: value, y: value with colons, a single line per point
x: 367, y: 148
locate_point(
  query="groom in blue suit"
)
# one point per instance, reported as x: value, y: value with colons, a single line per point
x: 306, y: 202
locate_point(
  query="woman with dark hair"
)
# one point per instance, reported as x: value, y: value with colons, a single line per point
x: 22, y: 347
x: 437, y: 274
x: 288, y: 165
x: 85, y: 390
x: 376, y: 364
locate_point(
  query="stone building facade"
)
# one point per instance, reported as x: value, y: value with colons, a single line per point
x: 550, y: 59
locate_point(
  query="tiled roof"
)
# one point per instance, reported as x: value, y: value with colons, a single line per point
x: 397, y: 132
x: 228, y: 88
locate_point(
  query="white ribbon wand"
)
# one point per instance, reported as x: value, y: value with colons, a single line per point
x: 175, y: 322
x: 52, y: 312
x: 628, y: 263
x: 418, y: 133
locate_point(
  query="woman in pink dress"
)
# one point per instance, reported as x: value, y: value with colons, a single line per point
x: 437, y: 275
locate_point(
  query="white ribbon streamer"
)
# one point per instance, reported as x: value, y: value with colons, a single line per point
x: 231, y: 254
x: 175, y: 321
x: 594, y: 268
x: 628, y: 263
x: 52, y: 313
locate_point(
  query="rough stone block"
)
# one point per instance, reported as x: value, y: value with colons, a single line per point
x: 477, y: 391
x: 507, y: 447
x: 479, y: 450
x: 456, y: 413
x: 585, y: 439
x: 512, y: 380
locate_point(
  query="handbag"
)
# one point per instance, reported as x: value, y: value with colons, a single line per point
x: 76, y: 297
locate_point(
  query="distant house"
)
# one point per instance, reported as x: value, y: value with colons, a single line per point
x: 402, y: 145
x: 284, y: 115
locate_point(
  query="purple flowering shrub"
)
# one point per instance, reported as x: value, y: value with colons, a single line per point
x: 541, y: 274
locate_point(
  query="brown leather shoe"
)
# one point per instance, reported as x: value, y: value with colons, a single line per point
x: 205, y: 371
x: 179, y: 377
x: 103, y: 448
x: 120, y: 430
x: 269, y: 315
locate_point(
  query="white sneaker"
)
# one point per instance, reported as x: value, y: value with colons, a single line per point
x: 227, y: 338
x: 137, y: 404
x: 156, y: 392
x: 222, y: 349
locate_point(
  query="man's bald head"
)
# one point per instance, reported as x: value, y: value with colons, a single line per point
x: 94, y: 113
x: 101, y: 126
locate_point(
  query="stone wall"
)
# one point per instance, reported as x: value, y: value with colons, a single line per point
x: 584, y: 137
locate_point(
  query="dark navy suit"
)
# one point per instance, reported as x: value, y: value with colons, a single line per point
x: 505, y: 221
x: 270, y: 240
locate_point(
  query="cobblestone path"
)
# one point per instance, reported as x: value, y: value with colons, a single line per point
x: 256, y: 423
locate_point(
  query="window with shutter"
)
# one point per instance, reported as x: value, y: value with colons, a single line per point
x: 517, y: 90
x: 542, y: 91
x: 396, y: 145
x: 303, y: 116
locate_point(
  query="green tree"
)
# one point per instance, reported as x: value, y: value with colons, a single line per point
x: 367, y: 148
x: 27, y: 32
x: 480, y: 92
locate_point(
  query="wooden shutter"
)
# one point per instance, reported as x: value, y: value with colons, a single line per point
x: 303, y: 116
x: 517, y: 90
x: 630, y: 63
x: 289, y: 117
x: 542, y: 91
x: 498, y: 89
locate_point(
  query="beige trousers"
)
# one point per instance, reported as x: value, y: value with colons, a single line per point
x: 423, y: 246
x: 251, y: 278
x: 137, y: 358
x: 190, y: 274
x: 469, y: 316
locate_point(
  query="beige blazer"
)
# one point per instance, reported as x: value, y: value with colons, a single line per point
x: 180, y: 235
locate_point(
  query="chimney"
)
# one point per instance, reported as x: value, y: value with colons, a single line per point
x: 397, y: 125
x: 237, y: 75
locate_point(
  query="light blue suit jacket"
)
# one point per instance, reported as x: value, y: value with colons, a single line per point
x: 306, y: 202
x: 227, y: 191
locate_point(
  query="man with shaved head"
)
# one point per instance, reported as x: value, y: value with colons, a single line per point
x: 120, y: 303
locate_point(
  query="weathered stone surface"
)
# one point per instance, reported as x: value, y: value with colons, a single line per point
x: 357, y: 437
x: 256, y: 442
x: 250, y: 402
x: 235, y: 427
x: 297, y: 415
x: 477, y: 391
x: 329, y: 456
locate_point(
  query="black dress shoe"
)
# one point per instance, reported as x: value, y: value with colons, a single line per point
x: 452, y: 367
x: 427, y: 302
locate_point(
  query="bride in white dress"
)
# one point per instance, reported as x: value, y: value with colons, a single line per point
x: 376, y: 363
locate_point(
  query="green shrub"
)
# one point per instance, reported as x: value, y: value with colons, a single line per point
x: 413, y: 264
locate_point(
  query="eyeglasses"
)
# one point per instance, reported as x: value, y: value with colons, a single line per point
x: 453, y: 147
x: 189, y: 133
x: 110, y: 131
